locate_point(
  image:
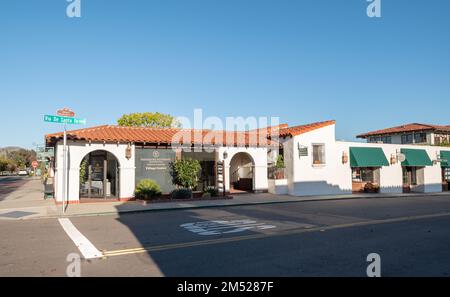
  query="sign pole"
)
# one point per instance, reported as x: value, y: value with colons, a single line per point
x: 64, y: 169
x: 64, y: 116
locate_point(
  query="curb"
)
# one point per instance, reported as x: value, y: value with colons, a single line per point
x: 238, y: 204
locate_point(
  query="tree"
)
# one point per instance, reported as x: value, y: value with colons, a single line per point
x: 148, y: 119
x: 22, y: 158
x: 280, y: 162
x: 3, y: 164
x: 185, y: 173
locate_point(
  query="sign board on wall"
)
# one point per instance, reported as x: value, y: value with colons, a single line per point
x: 155, y: 164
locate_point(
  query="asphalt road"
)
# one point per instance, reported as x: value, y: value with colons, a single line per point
x: 324, y: 238
x: 9, y: 184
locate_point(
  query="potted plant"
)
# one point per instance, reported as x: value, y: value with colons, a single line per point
x: 279, y: 165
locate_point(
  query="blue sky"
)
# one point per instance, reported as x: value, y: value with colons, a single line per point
x: 300, y: 60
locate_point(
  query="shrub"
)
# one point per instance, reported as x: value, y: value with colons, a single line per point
x: 147, y: 189
x: 212, y: 191
x: 181, y: 193
x: 185, y: 173
x: 371, y: 188
x: 280, y: 162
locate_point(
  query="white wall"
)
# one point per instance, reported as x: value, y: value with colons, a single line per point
x: 278, y: 186
x: 335, y: 177
x: 76, y: 152
x: 259, y: 156
x: 304, y: 178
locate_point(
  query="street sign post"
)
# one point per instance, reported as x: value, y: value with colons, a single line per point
x: 34, y: 164
x: 67, y: 117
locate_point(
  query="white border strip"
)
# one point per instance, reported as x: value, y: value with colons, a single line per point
x: 87, y: 249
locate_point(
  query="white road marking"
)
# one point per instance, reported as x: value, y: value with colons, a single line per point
x: 87, y: 249
x: 224, y: 227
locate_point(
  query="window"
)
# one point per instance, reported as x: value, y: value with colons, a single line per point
x: 382, y: 139
x: 318, y: 154
x: 374, y: 139
x: 447, y: 174
x: 386, y: 139
x: 410, y: 175
x: 407, y: 138
x: 420, y: 138
x: 363, y: 175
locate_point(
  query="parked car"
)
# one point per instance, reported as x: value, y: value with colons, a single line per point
x: 23, y: 173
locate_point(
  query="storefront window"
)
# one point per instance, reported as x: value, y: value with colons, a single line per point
x: 447, y: 174
x: 410, y: 175
x: 363, y: 175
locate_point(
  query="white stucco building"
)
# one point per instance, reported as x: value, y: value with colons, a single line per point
x: 107, y: 162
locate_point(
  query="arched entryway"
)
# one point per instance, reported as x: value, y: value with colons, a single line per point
x: 99, y: 175
x: 241, y: 173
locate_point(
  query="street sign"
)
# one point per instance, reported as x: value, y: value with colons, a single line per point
x: 65, y: 112
x: 64, y: 120
x: 34, y: 164
x: 65, y: 116
x: 44, y: 153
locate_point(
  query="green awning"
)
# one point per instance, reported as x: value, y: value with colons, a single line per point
x: 446, y: 156
x: 416, y: 158
x: 367, y: 157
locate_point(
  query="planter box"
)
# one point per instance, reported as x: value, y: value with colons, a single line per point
x: 278, y: 186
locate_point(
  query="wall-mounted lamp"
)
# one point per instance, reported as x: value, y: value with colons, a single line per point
x: 225, y: 155
x: 344, y: 158
x: 128, y: 152
x: 393, y: 159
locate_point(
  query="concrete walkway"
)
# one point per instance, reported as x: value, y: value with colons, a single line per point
x: 27, y: 202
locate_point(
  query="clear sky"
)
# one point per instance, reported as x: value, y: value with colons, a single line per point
x: 301, y: 60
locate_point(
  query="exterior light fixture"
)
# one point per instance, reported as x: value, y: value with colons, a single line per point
x: 344, y: 158
x: 128, y: 152
x: 225, y: 155
x: 393, y: 159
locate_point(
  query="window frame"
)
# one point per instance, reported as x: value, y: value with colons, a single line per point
x: 323, y: 157
x: 420, y: 137
x: 407, y: 136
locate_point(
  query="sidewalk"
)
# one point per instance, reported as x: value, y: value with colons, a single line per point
x: 27, y: 203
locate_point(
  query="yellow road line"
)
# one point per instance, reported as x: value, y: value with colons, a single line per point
x: 266, y: 235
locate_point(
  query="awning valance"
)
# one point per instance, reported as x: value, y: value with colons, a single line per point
x: 416, y: 158
x: 445, y: 155
x: 367, y: 157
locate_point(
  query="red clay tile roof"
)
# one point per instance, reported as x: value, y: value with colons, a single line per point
x: 270, y: 129
x: 413, y: 127
x: 297, y: 130
x: 110, y: 133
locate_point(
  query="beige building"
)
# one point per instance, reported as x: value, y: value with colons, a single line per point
x: 410, y: 134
